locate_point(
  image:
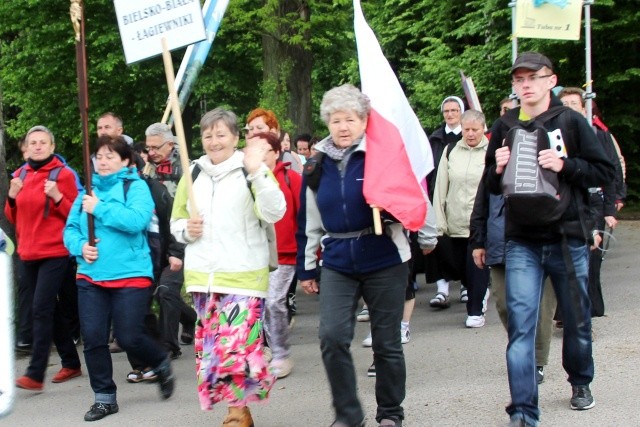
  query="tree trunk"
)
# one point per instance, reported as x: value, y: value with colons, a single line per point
x: 287, y: 64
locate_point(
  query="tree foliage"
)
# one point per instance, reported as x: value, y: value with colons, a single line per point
x: 284, y: 54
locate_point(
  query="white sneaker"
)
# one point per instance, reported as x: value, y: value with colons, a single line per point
x: 367, y: 341
x: 485, y: 301
x: 475, y: 321
x: 405, y: 335
x: 363, y: 316
x: 281, y: 368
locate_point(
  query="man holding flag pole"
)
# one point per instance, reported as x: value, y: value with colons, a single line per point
x: 376, y: 155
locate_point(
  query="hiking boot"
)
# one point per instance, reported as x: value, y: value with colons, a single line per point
x: 165, y: 379
x: 368, y: 341
x: 100, y: 410
x: 27, y: 383
x: 363, y: 316
x: 540, y: 374
x: 475, y: 321
x: 582, y: 398
x: 65, y: 374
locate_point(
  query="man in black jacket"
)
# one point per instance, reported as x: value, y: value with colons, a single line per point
x: 535, y: 252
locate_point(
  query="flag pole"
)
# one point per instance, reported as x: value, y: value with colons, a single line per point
x: 177, y: 117
x: 76, y: 10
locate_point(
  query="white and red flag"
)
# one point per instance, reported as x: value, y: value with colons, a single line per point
x: 398, y: 152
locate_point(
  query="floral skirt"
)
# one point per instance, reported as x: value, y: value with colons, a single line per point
x: 228, y: 343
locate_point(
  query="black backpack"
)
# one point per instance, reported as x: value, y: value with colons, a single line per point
x: 534, y: 196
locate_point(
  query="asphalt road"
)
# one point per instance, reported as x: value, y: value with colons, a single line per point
x: 456, y: 376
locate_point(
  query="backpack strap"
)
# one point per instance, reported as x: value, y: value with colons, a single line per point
x: 195, y: 172
x: 450, y: 148
x: 313, y: 170
x: 126, y: 184
x: 23, y: 173
x: 53, y: 176
x: 245, y: 173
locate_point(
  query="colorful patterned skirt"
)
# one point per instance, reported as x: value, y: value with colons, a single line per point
x: 228, y: 345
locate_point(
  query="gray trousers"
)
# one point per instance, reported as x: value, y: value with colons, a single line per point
x: 276, y: 324
x: 383, y: 292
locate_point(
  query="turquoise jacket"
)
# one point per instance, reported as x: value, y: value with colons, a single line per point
x: 120, y: 227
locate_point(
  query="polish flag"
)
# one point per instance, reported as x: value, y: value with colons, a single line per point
x: 398, y: 152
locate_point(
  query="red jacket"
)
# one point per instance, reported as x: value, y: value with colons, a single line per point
x: 287, y: 226
x: 38, y: 236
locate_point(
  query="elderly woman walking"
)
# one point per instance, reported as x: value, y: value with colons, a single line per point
x: 227, y: 264
x: 355, y: 262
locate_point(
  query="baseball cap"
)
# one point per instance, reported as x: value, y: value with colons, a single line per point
x: 531, y: 61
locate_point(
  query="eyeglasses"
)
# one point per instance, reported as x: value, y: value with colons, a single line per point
x: 150, y: 149
x: 533, y: 78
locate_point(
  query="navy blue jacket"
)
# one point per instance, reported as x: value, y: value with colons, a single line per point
x: 340, y: 207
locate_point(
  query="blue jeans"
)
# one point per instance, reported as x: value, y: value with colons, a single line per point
x: 127, y: 308
x: 383, y: 292
x: 527, y: 267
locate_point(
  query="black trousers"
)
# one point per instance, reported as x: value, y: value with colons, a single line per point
x: 173, y: 310
x: 46, y: 277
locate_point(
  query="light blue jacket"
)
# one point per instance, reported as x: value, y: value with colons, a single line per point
x: 120, y: 226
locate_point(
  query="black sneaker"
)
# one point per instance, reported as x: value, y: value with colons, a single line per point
x: 540, y: 374
x: 165, y: 379
x: 371, y: 372
x: 100, y: 410
x: 582, y: 398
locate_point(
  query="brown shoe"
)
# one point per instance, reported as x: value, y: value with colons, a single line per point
x: 238, y: 417
x: 65, y: 374
x: 28, y: 384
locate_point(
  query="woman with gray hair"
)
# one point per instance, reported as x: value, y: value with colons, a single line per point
x: 459, y: 173
x: 355, y: 262
x: 226, y: 263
